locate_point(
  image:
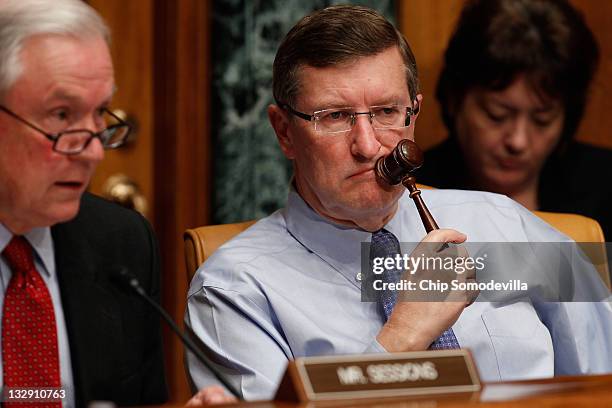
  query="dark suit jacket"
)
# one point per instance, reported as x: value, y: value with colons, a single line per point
x: 115, y: 339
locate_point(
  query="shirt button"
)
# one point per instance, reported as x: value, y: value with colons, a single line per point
x: 358, y: 277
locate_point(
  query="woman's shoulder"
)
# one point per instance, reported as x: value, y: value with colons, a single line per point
x: 589, y: 155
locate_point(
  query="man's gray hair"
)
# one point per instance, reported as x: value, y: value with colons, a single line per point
x: 22, y: 19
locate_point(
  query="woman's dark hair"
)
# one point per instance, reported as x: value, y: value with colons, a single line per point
x: 496, y: 41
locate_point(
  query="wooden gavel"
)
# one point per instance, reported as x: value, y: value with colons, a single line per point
x: 397, y: 168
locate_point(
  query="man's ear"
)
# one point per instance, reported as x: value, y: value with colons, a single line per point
x: 280, y: 122
x: 416, y: 108
x: 418, y: 105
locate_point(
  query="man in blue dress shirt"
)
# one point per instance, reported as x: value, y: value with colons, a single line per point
x: 346, y: 87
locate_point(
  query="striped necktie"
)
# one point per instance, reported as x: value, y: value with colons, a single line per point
x: 386, y: 245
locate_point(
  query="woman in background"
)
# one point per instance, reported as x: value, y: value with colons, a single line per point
x: 513, y: 90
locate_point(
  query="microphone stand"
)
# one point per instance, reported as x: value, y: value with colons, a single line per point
x: 126, y: 279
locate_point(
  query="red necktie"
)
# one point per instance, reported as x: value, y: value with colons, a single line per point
x: 30, y: 356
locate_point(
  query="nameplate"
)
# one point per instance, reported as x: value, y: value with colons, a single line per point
x: 379, y: 375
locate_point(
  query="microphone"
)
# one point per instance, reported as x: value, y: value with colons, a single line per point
x: 124, y: 278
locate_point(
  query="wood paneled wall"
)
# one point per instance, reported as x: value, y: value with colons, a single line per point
x: 182, y: 153
x: 428, y: 25
x: 131, y: 28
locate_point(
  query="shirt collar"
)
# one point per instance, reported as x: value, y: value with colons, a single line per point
x: 338, y: 245
x: 40, y: 239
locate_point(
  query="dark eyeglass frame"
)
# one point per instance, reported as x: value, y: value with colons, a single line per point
x: 56, y: 137
x: 311, y: 118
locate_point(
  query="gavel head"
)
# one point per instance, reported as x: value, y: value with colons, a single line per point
x: 403, y: 160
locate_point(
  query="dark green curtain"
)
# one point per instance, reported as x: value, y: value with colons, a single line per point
x: 251, y: 175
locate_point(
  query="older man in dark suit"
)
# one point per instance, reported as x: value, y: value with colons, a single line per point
x: 65, y: 325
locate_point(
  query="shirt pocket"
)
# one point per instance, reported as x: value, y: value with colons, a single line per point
x: 521, y: 342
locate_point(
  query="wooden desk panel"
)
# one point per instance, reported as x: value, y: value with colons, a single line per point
x: 584, y: 391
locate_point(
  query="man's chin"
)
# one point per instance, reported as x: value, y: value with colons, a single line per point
x: 375, y: 199
x: 63, y: 212
x: 387, y: 187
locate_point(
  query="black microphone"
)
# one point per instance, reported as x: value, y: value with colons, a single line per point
x: 123, y: 277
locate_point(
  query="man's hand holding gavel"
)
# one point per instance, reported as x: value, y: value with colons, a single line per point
x: 419, y: 317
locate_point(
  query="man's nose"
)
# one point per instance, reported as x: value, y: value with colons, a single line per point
x: 92, y: 123
x: 365, y: 144
x: 93, y: 152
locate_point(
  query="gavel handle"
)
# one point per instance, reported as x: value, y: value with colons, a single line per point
x: 428, y: 221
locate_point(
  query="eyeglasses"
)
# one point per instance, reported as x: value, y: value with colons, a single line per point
x: 339, y: 120
x: 74, y: 141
